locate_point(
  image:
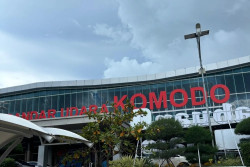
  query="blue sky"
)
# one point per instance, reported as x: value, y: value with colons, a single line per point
x: 47, y: 40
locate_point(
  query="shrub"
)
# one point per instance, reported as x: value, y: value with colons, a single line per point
x: 127, y: 161
x: 8, y: 162
x: 229, y: 162
x: 243, y: 127
x: 245, y: 151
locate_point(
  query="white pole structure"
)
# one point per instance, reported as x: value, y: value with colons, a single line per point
x: 136, y: 152
x: 223, y: 142
x: 235, y: 142
x: 197, y: 35
x: 199, y: 157
x: 137, y: 145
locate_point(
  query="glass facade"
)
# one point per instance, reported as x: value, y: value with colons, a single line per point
x: 237, y: 80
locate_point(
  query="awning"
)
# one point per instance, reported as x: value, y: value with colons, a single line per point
x: 14, y: 129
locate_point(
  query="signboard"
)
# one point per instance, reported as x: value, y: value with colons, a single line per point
x: 153, y: 101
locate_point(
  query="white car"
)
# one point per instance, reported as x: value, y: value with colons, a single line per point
x: 177, y: 161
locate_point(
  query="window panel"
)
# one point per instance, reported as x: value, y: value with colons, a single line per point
x: 242, y: 99
x: 85, y: 99
x: 246, y: 77
x: 92, y: 98
x: 23, y: 105
x: 220, y: 80
x: 54, y: 103
x: 111, y: 94
x: 153, y: 88
x: 170, y: 88
x: 240, y: 87
x: 230, y: 83
x: 67, y: 100
x: 97, y: 96
x: 170, y: 107
x: 73, y: 100
x: 79, y: 100
x: 61, y: 102
x: 138, y: 89
x: 11, y: 107
x: 131, y: 92
x: 5, y: 108
x: 145, y: 91
x: 186, y: 87
x: 210, y: 82
x: 29, y: 105
x: 232, y: 99
x: 161, y: 87
x: 47, y: 103
x: 17, y: 106
x: 177, y: 85
x: 35, y: 104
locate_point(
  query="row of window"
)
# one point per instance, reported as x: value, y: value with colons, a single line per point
x: 235, y: 79
x: 238, y: 84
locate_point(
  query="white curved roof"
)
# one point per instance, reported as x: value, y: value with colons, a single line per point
x: 12, y: 127
x: 62, y: 132
x: 10, y: 121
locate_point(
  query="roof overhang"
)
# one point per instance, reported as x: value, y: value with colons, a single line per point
x: 13, y: 129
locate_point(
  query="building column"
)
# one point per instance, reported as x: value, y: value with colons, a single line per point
x: 50, y: 155
x: 42, y: 155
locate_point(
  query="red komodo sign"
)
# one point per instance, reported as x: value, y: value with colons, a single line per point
x: 154, y: 103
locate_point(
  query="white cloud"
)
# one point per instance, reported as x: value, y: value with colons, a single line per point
x: 128, y: 67
x: 117, y: 34
x: 158, y: 29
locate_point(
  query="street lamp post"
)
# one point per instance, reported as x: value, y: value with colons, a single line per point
x: 197, y: 35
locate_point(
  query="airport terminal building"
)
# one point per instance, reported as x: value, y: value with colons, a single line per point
x: 177, y: 94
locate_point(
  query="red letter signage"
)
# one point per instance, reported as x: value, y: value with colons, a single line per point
x: 120, y: 102
x: 162, y: 98
x: 193, y: 98
x: 185, y: 97
x: 142, y: 96
x: 227, y: 93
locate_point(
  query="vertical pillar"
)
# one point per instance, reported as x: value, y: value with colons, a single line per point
x: 50, y: 155
x: 42, y: 155
x: 28, y: 152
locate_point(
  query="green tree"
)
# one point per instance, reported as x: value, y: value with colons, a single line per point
x: 111, y: 132
x: 243, y: 129
x: 167, y: 133
x: 201, y: 138
x: 8, y: 162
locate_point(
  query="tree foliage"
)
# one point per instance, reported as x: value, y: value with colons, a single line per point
x: 111, y: 132
x: 243, y: 127
x: 164, y: 129
x: 167, y: 133
x: 245, y: 151
x: 201, y: 139
x: 8, y: 162
x: 197, y: 135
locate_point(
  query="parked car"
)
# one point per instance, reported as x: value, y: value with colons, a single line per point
x: 21, y: 163
x: 177, y: 161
